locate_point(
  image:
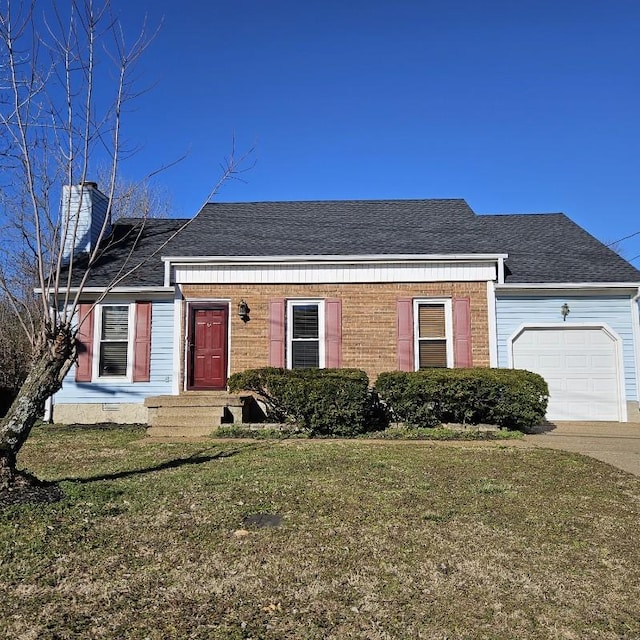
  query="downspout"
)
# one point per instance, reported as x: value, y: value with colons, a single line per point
x: 177, y: 385
x: 492, y: 324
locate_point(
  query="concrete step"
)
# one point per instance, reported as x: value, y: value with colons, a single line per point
x: 194, y: 412
x: 177, y: 431
x: 184, y: 423
x: 208, y: 417
x: 197, y: 399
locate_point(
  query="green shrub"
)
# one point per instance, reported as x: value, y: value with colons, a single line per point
x: 323, y: 402
x: 509, y: 398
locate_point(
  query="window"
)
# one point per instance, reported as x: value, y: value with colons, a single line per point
x: 113, y: 336
x: 433, y: 331
x: 305, y: 334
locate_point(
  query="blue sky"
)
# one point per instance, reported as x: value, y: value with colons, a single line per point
x: 516, y: 106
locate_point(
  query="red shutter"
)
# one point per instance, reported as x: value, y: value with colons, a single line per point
x: 276, y: 333
x: 333, y: 333
x: 462, y: 332
x: 405, y: 334
x: 84, y: 341
x: 142, y: 343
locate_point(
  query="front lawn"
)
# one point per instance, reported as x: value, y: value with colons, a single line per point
x: 378, y: 540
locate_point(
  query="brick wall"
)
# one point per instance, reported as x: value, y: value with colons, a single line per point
x: 368, y: 319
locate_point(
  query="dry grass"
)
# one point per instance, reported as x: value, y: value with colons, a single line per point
x: 378, y: 540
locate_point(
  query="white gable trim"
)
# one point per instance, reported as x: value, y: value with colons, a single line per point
x: 574, y: 287
x: 338, y: 273
x: 635, y: 325
x: 378, y: 258
x: 333, y: 269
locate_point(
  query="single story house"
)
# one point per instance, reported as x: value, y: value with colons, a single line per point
x: 377, y: 285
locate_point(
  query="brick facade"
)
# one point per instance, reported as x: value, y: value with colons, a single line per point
x: 369, y: 339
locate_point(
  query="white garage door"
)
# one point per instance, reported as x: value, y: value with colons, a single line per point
x: 580, y: 366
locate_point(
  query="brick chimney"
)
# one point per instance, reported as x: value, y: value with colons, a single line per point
x: 89, y: 206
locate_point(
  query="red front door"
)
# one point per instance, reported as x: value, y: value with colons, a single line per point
x: 208, y: 347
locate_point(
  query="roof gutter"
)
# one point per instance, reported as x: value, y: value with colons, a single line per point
x: 155, y: 289
x: 321, y: 259
x: 548, y: 286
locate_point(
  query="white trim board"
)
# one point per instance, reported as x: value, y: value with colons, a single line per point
x: 292, y: 302
x: 97, y: 331
x: 351, y: 259
x: 574, y: 287
x: 177, y: 342
x: 418, y: 272
x: 112, y: 290
x: 448, y: 323
x: 635, y: 326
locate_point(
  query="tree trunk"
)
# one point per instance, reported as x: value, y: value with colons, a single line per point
x: 45, y: 378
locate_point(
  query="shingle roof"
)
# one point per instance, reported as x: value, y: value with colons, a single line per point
x: 542, y: 247
x: 352, y: 227
x: 132, y: 242
x: 550, y: 247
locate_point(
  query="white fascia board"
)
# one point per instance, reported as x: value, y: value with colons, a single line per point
x: 381, y: 258
x: 110, y: 290
x: 575, y: 287
x: 635, y: 316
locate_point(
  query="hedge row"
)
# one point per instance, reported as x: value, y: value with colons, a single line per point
x: 321, y: 401
x: 509, y: 398
x: 339, y: 401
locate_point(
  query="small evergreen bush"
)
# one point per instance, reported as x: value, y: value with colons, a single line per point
x: 509, y: 398
x: 324, y: 402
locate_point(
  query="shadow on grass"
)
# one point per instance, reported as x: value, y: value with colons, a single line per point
x: 544, y: 427
x: 199, y: 457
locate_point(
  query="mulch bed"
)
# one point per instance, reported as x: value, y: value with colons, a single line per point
x: 27, y: 489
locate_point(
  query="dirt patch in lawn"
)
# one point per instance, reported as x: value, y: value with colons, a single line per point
x: 26, y: 489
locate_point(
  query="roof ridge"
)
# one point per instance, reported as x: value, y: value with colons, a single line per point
x: 339, y: 201
x: 534, y: 213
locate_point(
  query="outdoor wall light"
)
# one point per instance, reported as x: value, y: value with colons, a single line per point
x: 565, y: 311
x: 243, y: 311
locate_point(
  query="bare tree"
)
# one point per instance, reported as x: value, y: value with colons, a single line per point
x: 56, y: 128
x: 14, y: 366
x: 136, y: 198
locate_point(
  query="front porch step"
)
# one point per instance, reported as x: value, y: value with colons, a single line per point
x: 197, y: 399
x: 193, y: 413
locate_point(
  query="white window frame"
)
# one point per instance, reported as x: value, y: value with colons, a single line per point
x: 321, y: 334
x: 448, y: 326
x: 95, y: 374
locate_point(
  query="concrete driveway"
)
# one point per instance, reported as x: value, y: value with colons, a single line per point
x: 617, y: 443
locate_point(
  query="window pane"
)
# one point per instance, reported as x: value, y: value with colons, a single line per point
x: 115, y: 323
x: 113, y: 359
x: 431, y: 321
x: 305, y: 321
x: 432, y: 353
x: 305, y: 355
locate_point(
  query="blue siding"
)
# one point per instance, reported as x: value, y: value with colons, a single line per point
x: 132, y: 392
x: 612, y: 310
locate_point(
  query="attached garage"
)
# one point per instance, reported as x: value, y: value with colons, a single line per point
x: 582, y: 366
